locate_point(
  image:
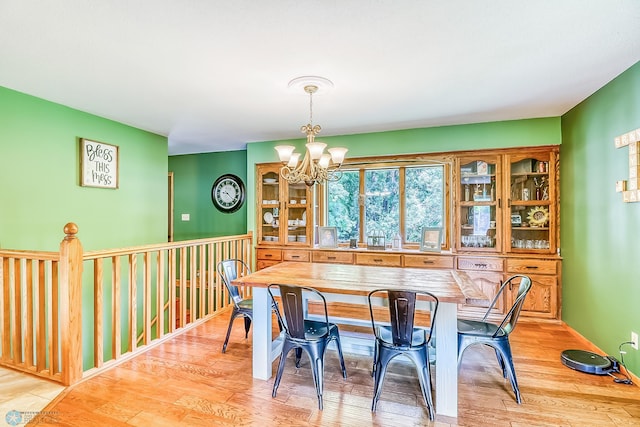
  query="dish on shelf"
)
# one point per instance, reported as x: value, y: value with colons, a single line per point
x: 270, y: 180
x: 538, y: 216
x: 268, y: 217
x: 304, y: 217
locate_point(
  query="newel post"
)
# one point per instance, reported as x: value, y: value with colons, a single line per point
x: 70, y: 288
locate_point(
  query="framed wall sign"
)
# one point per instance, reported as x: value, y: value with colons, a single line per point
x: 431, y: 239
x: 98, y: 164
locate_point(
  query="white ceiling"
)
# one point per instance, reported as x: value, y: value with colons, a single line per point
x: 212, y: 75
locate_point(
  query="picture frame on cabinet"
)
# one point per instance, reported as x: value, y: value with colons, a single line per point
x: 431, y: 239
x: 327, y: 237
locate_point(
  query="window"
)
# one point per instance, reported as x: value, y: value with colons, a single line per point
x: 390, y: 200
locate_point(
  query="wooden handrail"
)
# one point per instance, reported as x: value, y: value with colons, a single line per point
x: 131, y: 300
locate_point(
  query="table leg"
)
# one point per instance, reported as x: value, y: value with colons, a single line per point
x: 262, y: 344
x: 446, y: 331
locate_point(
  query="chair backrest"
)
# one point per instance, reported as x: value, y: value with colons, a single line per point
x: 402, y: 312
x: 229, y: 270
x: 293, y: 304
x: 509, y: 321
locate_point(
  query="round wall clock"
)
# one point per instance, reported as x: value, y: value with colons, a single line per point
x: 227, y: 193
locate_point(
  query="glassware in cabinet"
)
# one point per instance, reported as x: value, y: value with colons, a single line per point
x: 478, y: 215
x: 531, y: 181
x: 269, y: 206
x: 298, y: 225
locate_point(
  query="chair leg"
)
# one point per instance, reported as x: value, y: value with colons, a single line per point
x: 421, y: 360
x: 247, y: 325
x: 286, y: 347
x: 336, y: 336
x: 234, y: 313
x: 316, y: 355
x: 375, y: 357
x: 381, y: 369
x: 298, y: 356
x: 505, y: 351
x: 501, y: 363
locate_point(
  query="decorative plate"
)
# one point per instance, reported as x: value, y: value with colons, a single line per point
x: 268, y: 217
x: 538, y: 216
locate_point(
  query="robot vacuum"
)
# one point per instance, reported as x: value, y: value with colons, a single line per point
x: 586, y: 361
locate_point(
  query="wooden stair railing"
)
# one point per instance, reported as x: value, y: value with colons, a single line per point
x: 133, y: 297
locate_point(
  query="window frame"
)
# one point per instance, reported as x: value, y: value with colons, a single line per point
x: 401, y: 163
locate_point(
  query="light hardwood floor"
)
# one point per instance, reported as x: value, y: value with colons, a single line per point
x: 187, y: 381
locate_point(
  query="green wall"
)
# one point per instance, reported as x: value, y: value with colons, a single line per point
x: 39, y: 171
x: 515, y: 133
x: 193, y: 176
x: 40, y: 191
x: 601, y: 290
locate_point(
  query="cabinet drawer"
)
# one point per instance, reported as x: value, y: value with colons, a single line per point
x: 387, y: 260
x: 334, y: 257
x: 270, y: 254
x: 291, y: 255
x: 428, y: 261
x: 260, y: 264
x: 480, y: 264
x: 531, y: 266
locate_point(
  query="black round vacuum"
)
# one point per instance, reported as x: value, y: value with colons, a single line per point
x: 586, y: 361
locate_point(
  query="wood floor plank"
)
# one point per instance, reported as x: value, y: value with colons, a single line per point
x: 187, y: 381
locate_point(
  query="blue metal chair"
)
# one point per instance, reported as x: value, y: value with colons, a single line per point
x: 312, y: 336
x: 400, y: 336
x: 229, y: 270
x: 472, y: 332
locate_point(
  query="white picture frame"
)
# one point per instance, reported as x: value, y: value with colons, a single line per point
x: 431, y: 239
x: 327, y: 237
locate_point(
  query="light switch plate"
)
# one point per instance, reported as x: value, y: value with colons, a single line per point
x: 185, y: 217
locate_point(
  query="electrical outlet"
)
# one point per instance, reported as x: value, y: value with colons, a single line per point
x: 634, y: 340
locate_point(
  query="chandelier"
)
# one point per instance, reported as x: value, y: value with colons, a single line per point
x: 317, y: 166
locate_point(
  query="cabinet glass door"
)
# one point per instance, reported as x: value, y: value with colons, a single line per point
x: 478, y: 216
x: 297, y: 212
x: 531, y: 212
x: 269, y: 207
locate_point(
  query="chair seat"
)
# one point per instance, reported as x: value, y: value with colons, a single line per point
x: 314, y: 330
x: 418, y: 338
x: 246, y: 304
x: 480, y: 329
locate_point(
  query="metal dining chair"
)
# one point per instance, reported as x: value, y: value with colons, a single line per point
x: 229, y: 270
x: 304, y: 334
x: 398, y: 335
x: 472, y: 332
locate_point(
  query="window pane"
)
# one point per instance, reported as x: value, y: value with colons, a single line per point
x: 343, y: 210
x: 424, y: 204
x: 382, y: 205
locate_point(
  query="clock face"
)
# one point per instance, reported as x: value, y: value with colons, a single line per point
x: 227, y: 193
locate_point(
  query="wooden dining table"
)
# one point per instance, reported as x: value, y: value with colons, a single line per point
x: 352, y: 283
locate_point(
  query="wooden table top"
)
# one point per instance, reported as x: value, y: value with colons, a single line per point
x: 447, y: 285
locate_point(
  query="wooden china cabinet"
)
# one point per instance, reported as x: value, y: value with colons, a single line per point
x: 283, y: 211
x: 504, y: 221
x: 507, y: 222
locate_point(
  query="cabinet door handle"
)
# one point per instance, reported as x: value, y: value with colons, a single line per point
x: 499, y: 203
x: 331, y: 257
x: 268, y: 255
x: 531, y: 267
x: 377, y: 260
x: 427, y: 262
x: 508, y: 203
x: 483, y: 265
x: 295, y: 256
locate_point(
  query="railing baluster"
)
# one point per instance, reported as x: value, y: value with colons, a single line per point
x: 98, y: 301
